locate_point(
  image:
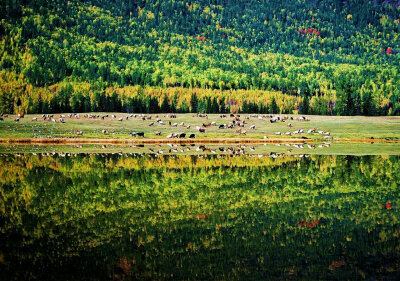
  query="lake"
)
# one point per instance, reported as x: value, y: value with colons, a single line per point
x: 104, y: 216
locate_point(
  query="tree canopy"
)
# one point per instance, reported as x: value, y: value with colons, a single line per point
x: 342, y: 56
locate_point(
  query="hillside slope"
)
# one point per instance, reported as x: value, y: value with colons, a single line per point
x: 343, y: 54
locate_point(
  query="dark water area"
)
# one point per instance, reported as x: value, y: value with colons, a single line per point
x: 122, y: 217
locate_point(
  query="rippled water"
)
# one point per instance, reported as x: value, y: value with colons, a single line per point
x: 124, y: 217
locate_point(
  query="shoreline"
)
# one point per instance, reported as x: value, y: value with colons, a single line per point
x: 52, y: 141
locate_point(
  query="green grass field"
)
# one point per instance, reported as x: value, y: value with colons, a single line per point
x: 343, y: 128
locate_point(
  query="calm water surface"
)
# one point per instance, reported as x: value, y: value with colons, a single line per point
x: 113, y: 217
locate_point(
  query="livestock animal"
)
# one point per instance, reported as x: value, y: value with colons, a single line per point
x: 241, y: 132
x: 137, y: 134
x: 303, y: 118
x: 311, y: 131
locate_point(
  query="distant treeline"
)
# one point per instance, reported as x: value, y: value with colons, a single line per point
x: 16, y: 96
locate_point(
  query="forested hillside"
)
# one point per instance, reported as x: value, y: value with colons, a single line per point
x: 320, y: 57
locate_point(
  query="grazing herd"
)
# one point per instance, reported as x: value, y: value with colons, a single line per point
x: 240, y: 124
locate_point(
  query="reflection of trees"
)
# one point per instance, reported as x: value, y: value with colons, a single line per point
x: 224, y: 218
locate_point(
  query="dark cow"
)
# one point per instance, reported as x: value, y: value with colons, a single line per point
x: 192, y: 136
x: 137, y: 134
x: 182, y: 136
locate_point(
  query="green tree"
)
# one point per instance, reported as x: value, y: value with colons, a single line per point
x: 165, y: 106
x: 274, y: 106
x: 194, y: 103
x: 304, y: 106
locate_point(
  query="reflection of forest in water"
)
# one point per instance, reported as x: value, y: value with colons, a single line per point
x: 183, y: 217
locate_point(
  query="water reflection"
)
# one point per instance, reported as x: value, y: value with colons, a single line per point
x: 326, y: 148
x: 126, y: 217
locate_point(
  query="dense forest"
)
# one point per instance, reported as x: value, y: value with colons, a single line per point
x: 296, y: 56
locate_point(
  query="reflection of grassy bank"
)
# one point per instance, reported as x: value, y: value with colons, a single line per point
x: 174, y: 217
x: 356, y: 127
x: 289, y: 149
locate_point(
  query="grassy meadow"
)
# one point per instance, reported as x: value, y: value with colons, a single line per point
x: 340, y: 128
